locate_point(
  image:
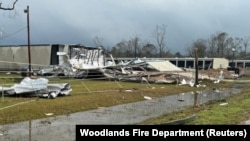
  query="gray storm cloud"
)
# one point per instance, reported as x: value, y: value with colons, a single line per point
x: 79, y: 21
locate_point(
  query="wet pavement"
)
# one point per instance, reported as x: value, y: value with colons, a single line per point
x: 63, y: 127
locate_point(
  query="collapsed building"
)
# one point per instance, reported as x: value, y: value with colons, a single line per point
x: 80, y: 61
x: 15, y: 57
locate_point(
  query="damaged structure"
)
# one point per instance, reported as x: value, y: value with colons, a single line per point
x: 85, y: 62
x: 80, y: 61
x: 92, y: 63
x: 142, y: 70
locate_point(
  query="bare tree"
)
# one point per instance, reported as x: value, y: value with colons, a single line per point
x: 160, y: 35
x: 222, y: 43
x: 234, y: 48
x: 134, y: 43
x: 120, y: 49
x: 190, y: 52
x: 12, y: 7
x: 201, y: 46
x: 8, y: 8
x: 178, y: 54
x: 218, y: 45
x: 246, y: 43
x: 98, y: 41
x: 149, y: 50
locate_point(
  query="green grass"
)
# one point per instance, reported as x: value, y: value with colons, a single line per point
x: 86, y: 95
x: 235, y: 111
x: 93, y: 94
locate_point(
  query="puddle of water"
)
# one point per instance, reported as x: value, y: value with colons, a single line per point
x: 181, y: 101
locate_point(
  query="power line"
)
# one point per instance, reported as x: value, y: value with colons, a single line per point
x: 13, y: 33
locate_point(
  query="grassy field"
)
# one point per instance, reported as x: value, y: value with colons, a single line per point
x: 91, y: 94
x: 235, y: 111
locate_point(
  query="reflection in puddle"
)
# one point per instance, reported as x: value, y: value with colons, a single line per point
x: 184, y: 100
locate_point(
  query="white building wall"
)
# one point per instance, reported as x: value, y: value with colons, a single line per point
x: 220, y: 63
x: 16, y: 57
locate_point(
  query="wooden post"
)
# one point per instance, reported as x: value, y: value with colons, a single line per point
x: 28, y: 31
x: 30, y: 130
x: 196, y: 104
x: 196, y: 67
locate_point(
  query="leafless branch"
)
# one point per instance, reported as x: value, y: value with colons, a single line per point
x: 9, y: 8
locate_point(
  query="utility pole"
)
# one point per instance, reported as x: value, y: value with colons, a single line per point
x: 27, y: 11
x: 196, y: 67
x: 28, y: 31
x: 233, y: 64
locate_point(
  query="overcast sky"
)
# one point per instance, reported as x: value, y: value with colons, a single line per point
x: 80, y: 21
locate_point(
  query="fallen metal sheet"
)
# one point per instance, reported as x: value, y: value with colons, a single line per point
x: 37, y: 87
x: 7, y: 90
x: 57, y: 90
x: 28, y: 85
x: 164, y: 66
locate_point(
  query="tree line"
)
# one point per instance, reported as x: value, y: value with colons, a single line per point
x: 218, y: 45
x: 222, y: 45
